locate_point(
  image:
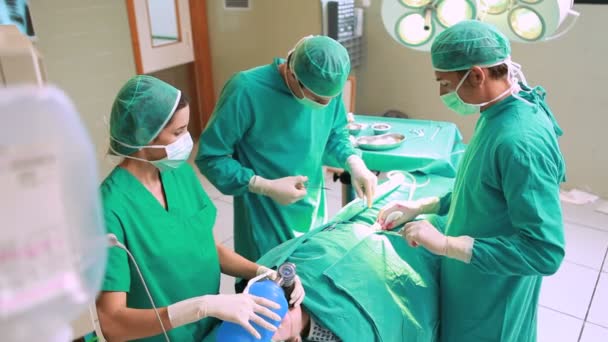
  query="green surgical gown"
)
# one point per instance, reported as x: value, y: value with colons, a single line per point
x: 174, y: 248
x: 506, y: 196
x: 258, y: 128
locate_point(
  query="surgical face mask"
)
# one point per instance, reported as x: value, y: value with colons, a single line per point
x: 177, y: 153
x: 310, y: 103
x: 453, y: 101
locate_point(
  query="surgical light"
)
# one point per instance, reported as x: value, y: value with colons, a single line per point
x: 526, y: 23
x: 416, y: 3
x: 413, y: 31
x: 415, y: 23
x: 454, y: 11
x: 494, y: 6
x: 528, y: 20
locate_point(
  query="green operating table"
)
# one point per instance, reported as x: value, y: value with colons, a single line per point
x: 432, y: 147
x: 429, y: 146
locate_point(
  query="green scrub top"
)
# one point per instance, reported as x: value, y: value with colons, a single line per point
x: 259, y: 128
x: 506, y: 196
x: 174, y: 248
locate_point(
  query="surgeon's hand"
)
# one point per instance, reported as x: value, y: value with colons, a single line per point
x: 423, y: 233
x: 298, y: 293
x: 284, y: 191
x: 236, y: 308
x: 397, y: 213
x: 362, y: 179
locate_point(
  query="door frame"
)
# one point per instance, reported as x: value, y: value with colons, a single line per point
x: 203, y: 70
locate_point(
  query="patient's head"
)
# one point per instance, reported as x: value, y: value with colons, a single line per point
x: 293, y: 325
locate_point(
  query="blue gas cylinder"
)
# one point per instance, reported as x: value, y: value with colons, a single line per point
x: 232, y: 332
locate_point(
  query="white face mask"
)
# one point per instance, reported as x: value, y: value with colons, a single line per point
x: 177, y: 152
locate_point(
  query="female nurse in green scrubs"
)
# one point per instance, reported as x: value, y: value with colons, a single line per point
x: 155, y: 205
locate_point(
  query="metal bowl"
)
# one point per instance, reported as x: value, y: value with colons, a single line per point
x: 354, y: 128
x: 381, y: 128
x: 381, y: 142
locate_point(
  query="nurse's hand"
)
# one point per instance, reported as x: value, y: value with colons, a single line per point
x: 362, y: 179
x: 423, y: 233
x: 298, y: 293
x: 236, y: 308
x: 397, y: 213
x: 284, y: 191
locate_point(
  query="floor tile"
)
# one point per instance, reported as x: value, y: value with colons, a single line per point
x: 226, y: 284
x: 594, y: 333
x: 333, y: 206
x: 585, y: 246
x: 554, y: 326
x: 598, y: 314
x: 569, y: 290
x: 585, y: 215
x: 229, y: 242
x: 334, y: 186
x: 211, y: 190
x: 227, y: 199
x: 224, y: 222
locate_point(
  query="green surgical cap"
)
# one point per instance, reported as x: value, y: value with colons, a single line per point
x: 322, y: 65
x: 140, y: 111
x: 469, y: 43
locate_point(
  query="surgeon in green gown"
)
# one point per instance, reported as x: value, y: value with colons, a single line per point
x: 267, y: 139
x: 155, y: 206
x: 504, y: 230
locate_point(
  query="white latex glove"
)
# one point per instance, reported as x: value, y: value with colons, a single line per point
x: 423, y: 233
x: 396, y: 213
x: 236, y: 308
x: 362, y: 179
x: 298, y: 293
x: 399, y: 212
x: 284, y: 190
x: 350, y: 117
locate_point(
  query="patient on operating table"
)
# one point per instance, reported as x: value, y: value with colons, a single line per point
x: 361, y: 285
x: 364, y: 284
x: 297, y: 323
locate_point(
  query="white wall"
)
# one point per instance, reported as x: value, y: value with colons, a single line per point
x: 243, y: 39
x: 572, y: 69
x: 87, y: 52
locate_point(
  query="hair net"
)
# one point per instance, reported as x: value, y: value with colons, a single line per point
x: 321, y: 64
x: 467, y: 44
x: 140, y: 111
